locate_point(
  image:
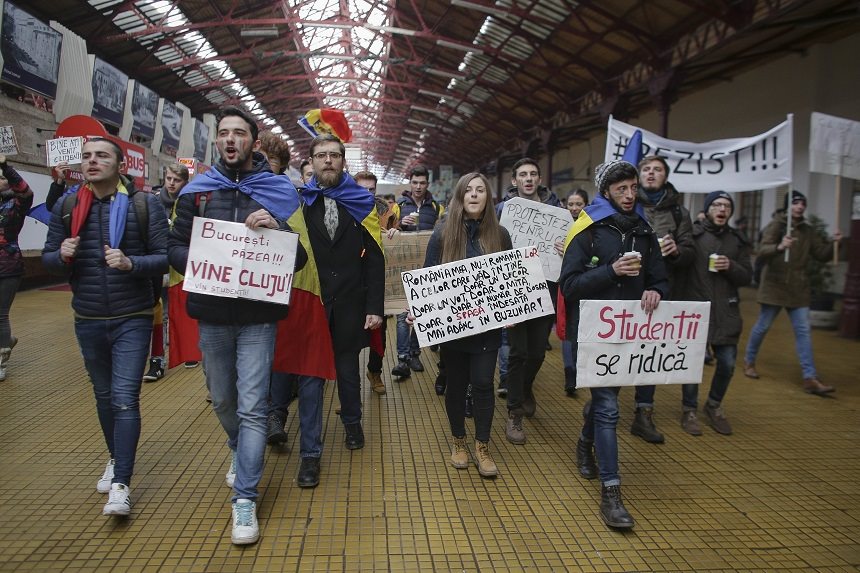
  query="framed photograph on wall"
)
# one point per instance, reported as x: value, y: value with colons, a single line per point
x: 31, y: 51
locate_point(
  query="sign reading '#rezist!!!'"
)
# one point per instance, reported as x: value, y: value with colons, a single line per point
x: 621, y: 345
x: 475, y: 295
x: 230, y: 260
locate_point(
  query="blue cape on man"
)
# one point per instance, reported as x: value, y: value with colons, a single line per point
x: 276, y: 193
x: 357, y: 201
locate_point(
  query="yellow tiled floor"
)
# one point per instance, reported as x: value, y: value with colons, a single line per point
x: 782, y: 493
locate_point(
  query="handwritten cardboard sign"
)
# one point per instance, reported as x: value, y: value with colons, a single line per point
x: 620, y: 345
x: 475, y: 295
x: 403, y: 252
x: 534, y: 223
x: 230, y: 260
x: 8, y: 143
x: 66, y: 149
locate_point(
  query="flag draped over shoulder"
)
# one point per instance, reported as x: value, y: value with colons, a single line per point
x: 599, y: 209
x: 184, y: 335
x: 357, y: 200
x: 275, y: 193
x: 303, y: 344
x: 118, y: 212
x: 319, y: 121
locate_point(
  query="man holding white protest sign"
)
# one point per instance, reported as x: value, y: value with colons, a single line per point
x: 527, y: 340
x: 237, y: 335
x: 721, y: 265
x: 611, y: 253
x: 460, y: 301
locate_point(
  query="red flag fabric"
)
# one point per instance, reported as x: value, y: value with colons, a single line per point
x: 560, y: 317
x: 184, y: 335
x: 303, y: 344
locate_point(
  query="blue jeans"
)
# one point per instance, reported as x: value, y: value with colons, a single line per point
x: 310, y: 416
x: 238, y: 362
x: 567, y: 356
x: 407, y: 343
x: 115, y: 352
x: 282, y: 391
x: 802, y: 338
x: 726, y: 355
x: 600, y: 422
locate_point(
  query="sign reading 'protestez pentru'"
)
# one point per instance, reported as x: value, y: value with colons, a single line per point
x: 475, y: 295
x: 230, y: 260
x: 621, y: 345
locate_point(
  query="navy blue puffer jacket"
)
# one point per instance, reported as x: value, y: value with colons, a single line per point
x: 98, y: 290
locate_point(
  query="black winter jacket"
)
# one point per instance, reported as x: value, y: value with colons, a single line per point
x: 98, y: 290
x: 224, y: 205
x: 720, y: 288
x: 485, y: 341
x: 586, y: 269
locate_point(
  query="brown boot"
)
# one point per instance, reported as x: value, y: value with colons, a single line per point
x: 376, y: 382
x: 459, y: 454
x: 484, y: 461
x: 814, y: 386
x: 750, y: 372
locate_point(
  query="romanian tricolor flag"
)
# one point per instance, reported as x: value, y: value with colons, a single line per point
x: 320, y: 121
x: 184, y: 335
x: 599, y: 209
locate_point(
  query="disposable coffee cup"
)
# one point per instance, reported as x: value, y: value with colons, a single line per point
x: 712, y: 262
x: 660, y: 244
x: 638, y: 256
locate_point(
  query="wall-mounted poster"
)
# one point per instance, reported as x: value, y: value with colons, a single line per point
x: 171, y: 127
x: 144, y: 109
x: 201, y: 137
x: 31, y: 51
x: 109, y: 88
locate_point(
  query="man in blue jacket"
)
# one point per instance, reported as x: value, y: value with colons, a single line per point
x: 237, y: 336
x: 101, y: 239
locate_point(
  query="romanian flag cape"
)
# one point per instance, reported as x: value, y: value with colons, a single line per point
x: 303, y: 344
x: 275, y: 193
x: 184, y: 336
x: 319, y: 121
x: 118, y: 212
x: 361, y: 205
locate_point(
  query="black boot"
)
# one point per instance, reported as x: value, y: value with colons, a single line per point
x: 275, y: 433
x: 570, y: 382
x: 309, y: 473
x: 643, y: 426
x: 354, y: 436
x: 585, y: 459
x: 470, y: 406
x: 612, y: 509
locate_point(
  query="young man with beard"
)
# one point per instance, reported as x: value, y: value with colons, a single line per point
x: 527, y: 339
x: 594, y: 268
x: 110, y: 259
x: 717, y: 282
x: 237, y: 336
x: 786, y: 284
x: 667, y: 215
x: 343, y: 229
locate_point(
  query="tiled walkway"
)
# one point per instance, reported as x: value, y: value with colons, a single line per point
x: 782, y: 493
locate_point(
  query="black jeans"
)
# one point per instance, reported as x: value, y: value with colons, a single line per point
x: 528, y: 349
x: 464, y: 369
x: 8, y: 289
x: 348, y: 385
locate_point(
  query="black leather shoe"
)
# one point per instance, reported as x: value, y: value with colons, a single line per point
x: 585, y: 462
x: 401, y: 370
x: 354, y: 436
x: 275, y: 433
x: 612, y: 509
x: 441, y: 384
x: 415, y: 364
x: 309, y: 473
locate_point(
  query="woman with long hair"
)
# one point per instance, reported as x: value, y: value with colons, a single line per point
x: 576, y: 201
x: 470, y: 229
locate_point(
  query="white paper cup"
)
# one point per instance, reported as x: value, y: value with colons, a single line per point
x: 712, y: 261
x: 638, y: 256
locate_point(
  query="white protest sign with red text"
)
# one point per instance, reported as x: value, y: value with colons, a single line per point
x: 230, y: 260
x: 475, y: 295
x: 621, y: 345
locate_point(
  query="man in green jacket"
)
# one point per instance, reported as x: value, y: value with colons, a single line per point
x: 785, y: 284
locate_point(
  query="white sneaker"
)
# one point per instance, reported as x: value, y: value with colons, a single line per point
x: 103, y: 486
x: 118, y: 502
x: 230, y: 477
x: 246, y: 530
